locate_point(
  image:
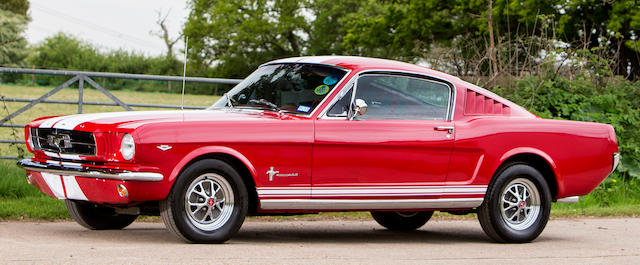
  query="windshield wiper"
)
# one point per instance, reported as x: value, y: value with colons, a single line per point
x: 265, y: 102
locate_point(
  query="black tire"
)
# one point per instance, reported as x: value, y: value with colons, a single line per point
x: 402, y: 221
x: 502, y: 220
x: 199, y: 223
x: 97, y: 217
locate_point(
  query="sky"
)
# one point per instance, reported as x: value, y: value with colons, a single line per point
x: 108, y: 24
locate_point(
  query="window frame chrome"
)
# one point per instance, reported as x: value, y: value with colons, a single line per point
x: 453, y: 91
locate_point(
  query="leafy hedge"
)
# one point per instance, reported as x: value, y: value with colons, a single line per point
x: 614, y: 101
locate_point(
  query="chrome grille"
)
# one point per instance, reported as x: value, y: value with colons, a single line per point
x: 64, y: 141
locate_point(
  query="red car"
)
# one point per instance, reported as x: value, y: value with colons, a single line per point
x: 314, y: 134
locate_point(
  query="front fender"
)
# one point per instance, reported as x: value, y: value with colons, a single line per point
x: 210, y: 150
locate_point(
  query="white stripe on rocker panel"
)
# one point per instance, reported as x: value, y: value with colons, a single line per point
x: 360, y: 204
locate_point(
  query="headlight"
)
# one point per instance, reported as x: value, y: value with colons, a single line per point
x: 127, y: 147
x: 30, y: 140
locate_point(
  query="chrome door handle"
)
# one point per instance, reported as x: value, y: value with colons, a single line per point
x: 444, y: 128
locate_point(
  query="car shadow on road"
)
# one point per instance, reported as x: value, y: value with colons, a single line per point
x: 274, y: 233
x: 370, y: 236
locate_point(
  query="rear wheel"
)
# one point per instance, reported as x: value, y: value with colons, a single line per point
x: 402, y: 221
x: 97, y: 217
x: 207, y: 204
x: 517, y: 205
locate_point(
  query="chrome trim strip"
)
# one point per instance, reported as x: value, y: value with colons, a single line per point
x: 345, y: 204
x: 572, y: 199
x: 451, y: 108
x: 68, y: 170
x: 371, y: 191
x: 344, y: 78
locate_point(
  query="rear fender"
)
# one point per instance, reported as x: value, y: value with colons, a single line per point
x: 538, y: 152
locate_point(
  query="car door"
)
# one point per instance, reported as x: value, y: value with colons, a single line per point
x: 400, y: 148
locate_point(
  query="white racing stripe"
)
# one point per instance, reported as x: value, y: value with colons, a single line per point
x: 65, y: 156
x: 55, y: 184
x: 310, y: 59
x: 73, y: 189
x: 317, y: 59
x: 50, y: 122
x: 71, y: 121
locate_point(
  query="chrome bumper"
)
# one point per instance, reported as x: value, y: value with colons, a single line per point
x: 573, y: 199
x: 616, y: 161
x: 72, y: 169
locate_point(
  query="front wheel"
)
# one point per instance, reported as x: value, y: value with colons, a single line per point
x: 402, y: 221
x: 207, y: 204
x: 97, y: 217
x: 517, y: 205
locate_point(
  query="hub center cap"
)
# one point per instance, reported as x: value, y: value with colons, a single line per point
x: 211, y: 202
x: 522, y: 204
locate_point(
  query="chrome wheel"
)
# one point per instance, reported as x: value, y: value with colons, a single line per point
x: 520, y: 204
x: 209, y: 202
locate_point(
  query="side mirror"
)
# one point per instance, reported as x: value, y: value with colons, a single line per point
x: 359, y: 108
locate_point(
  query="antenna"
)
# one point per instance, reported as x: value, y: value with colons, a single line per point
x: 184, y: 73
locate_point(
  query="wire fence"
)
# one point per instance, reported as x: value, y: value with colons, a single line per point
x: 101, y: 81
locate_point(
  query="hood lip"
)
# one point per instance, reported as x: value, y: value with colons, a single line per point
x: 142, y: 117
x: 129, y: 121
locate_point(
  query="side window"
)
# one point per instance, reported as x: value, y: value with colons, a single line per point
x: 341, y: 108
x: 391, y: 97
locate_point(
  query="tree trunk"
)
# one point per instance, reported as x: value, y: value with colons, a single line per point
x: 492, y: 45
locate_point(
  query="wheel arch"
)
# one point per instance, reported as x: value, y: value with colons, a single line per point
x: 535, y: 158
x: 234, y: 158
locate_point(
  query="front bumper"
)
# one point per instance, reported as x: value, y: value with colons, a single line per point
x: 78, y: 170
x: 98, y: 184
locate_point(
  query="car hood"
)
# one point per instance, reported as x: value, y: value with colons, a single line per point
x: 133, y: 119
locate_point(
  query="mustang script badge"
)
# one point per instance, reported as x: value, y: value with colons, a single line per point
x: 276, y: 173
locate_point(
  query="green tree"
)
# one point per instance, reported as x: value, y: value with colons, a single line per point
x: 327, y: 25
x: 62, y: 51
x: 237, y: 35
x: 408, y: 30
x: 612, y: 25
x: 18, y: 7
x: 12, y: 43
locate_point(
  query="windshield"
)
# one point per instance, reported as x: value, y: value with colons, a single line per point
x: 296, y: 88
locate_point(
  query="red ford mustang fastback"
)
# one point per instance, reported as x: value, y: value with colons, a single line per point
x: 312, y: 134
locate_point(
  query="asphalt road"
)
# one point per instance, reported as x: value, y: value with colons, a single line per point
x: 571, y: 241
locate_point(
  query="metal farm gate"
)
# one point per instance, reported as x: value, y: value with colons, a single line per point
x: 87, y: 77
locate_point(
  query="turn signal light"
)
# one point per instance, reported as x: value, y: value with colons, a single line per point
x: 122, y: 190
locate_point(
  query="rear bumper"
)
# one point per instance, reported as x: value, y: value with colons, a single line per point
x: 616, y: 161
x: 572, y: 199
x: 78, y: 170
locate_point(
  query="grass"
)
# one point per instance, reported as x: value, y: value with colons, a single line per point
x: 71, y: 94
x: 19, y: 200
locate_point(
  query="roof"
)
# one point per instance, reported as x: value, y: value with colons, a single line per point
x: 366, y: 63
